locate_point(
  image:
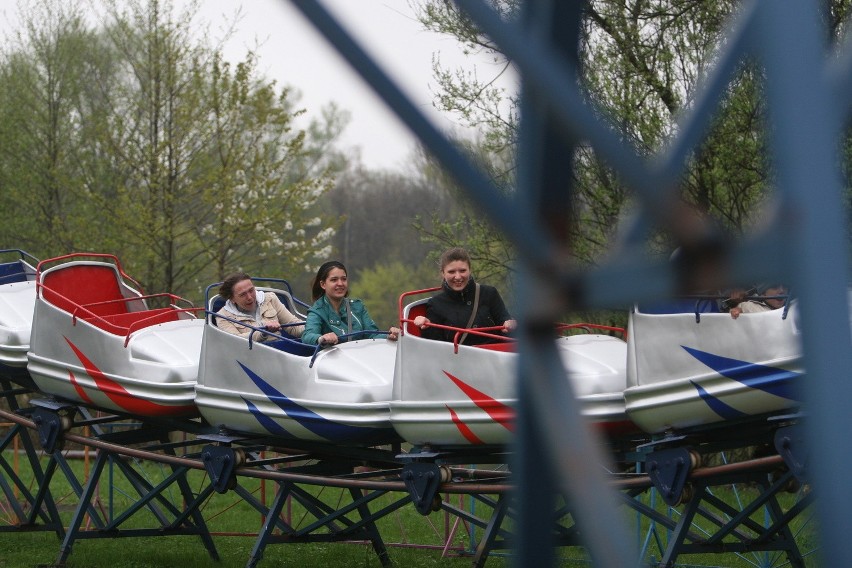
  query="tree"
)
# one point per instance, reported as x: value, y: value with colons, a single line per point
x: 481, y: 105
x: 43, y: 81
x: 256, y: 182
x: 381, y: 285
x: 215, y: 172
x: 138, y: 139
x: 643, y: 60
x: 492, y: 255
x: 378, y: 212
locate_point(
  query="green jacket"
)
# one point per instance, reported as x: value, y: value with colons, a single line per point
x: 322, y: 318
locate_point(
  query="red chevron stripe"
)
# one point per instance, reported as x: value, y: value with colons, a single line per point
x: 121, y: 397
x: 464, y: 428
x: 499, y: 412
x: 79, y: 388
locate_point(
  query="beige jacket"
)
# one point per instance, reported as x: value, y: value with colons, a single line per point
x: 271, y: 309
x: 751, y: 307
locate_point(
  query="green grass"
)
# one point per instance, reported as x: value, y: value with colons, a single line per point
x: 40, y: 549
x: 413, y: 540
x: 233, y: 524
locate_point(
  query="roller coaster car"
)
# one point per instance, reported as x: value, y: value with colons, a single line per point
x: 96, y: 341
x: 448, y: 394
x: 17, y: 298
x: 689, y: 370
x: 289, y: 390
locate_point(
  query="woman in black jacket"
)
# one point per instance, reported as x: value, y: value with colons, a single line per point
x: 454, y: 306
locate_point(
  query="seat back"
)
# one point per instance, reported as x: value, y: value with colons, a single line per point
x: 289, y: 303
x: 72, y: 285
x: 15, y: 272
x: 681, y: 306
x: 418, y: 308
x: 124, y: 324
x: 214, y: 305
x: 292, y: 346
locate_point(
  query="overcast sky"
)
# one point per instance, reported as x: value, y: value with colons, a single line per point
x: 295, y: 54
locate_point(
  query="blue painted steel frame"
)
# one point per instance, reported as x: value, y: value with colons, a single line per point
x: 806, y: 244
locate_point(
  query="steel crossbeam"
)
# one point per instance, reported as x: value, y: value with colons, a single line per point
x: 298, y: 478
x: 331, y: 524
x: 179, y: 518
x: 708, y: 524
x: 36, y: 511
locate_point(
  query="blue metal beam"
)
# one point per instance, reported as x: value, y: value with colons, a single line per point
x: 807, y: 136
x: 806, y: 245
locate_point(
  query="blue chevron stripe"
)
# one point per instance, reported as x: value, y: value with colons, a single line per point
x: 309, y: 419
x: 771, y: 380
x: 271, y: 425
x: 716, y: 405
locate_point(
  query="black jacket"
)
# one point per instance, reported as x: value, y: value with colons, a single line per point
x: 454, y: 308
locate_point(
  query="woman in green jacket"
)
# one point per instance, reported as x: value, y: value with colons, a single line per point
x: 334, y: 313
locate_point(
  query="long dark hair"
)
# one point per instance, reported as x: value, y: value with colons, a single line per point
x: 316, y: 288
x: 226, y: 289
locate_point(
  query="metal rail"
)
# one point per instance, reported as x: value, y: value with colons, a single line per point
x: 398, y: 484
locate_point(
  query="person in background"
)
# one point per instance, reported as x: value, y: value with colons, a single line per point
x: 456, y: 302
x: 248, y: 305
x: 768, y: 303
x: 333, y: 312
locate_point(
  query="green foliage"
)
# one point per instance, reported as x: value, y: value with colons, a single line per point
x: 253, y: 180
x: 136, y: 138
x: 641, y: 66
x: 643, y: 63
x: 394, y: 228
x: 380, y: 236
x: 492, y: 255
x: 485, y: 107
x: 380, y: 284
x: 476, y: 100
x: 377, y: 212
x: 43, y: 85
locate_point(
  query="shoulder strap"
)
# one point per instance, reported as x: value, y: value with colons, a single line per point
x: 348, y: 315
x: 473, y: 313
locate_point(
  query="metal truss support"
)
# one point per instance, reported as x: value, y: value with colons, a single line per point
x: 493, y: 537
x: 221, y: 463
x: 351, y: 522
x: 791, y: 445
x: 174, y: 515
x: 669, y: 470
x: 32, y: 511
x: 708, y: 524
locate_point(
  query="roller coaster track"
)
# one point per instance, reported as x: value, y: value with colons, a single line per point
x: 805, y: 242
x: 378, y: 482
